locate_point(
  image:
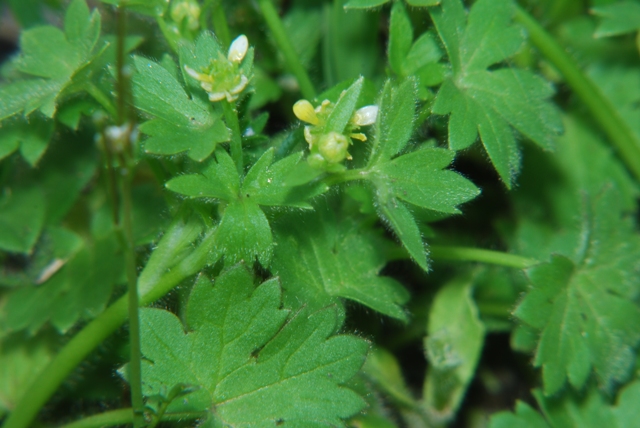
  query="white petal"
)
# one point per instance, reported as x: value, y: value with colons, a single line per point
x: 191, y: 72
x: 216, y: 96
x: 240, y: 86
x: 238, y: 48
x: 365, y: 116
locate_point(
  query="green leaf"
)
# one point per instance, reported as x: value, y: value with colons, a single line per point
x: 217, y: 180
x: 181, y: 123
x: 592, y: 409
x: 428, y: 185
x: 256, y: 363
x: 321, y: 257
x: 30, y: 136
x: 394, y: 126
x: 617, y: 18
x: 400, y: 37
x: 78, y: 290
x: 423, y: 3
x: 424, y: 52
x: 364, y: 4
x: 383, y: 369
x: 344, y: 108
x: 485, y: 102
x: 455, y: 337
x: 21, y: 359
x: 22, y: 215
x: 53, y: 57
x: 525, y: 417
x: 268, y: 184
x: 585, y: 309
x: 244, y: 233
x: 398, y: 216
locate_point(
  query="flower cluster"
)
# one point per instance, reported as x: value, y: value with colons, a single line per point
x: 223, y: 77
x: 329, y: 148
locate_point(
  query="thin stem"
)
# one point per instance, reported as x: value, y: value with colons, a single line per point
x: 346, y: 176
x: 467, y: 254
x: 286, y: 47
x: 231, y: 118
x: 601, y: 108
x: 94, y: 333
x: 126, y: 165
x: 220, y: 25
x: 101, y: 98
x: 125, y: 416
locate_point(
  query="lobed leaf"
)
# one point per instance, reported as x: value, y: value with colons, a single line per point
x: 256, y: 362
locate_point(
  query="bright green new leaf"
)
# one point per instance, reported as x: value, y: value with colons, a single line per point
x: 400, y: 37
x: 455, y: 337
x: 321, y: 257
x: 217, y: 180
x: 486, y: 102
x: 181, y: 123
x: 256, y: 364
x: 31, y: 136
x: 585, y: 310
x: 344, y: 108
x: 617, y: 18
x: 52, y: 58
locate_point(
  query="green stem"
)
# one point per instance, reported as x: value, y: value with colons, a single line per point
x: 94, y: 333
x: 467, y: 254
x: 286, y: 47
x: 220, y: 25
x: 346, y: 176
x: 231, y: 118
x: 125, y: 416
x: 102, y: 99
x: 601, y: 108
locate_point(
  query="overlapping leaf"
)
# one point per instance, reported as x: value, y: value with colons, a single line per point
x: 366, y: 4
x: 181, y: 123
x: 585, y: 308
x: 247, y: 363
x: 321, y: 257
x: 51, y: 58
x: 244, y: 232
x: 588, y: 410
x: 428, y: 185
x: 490, y: 103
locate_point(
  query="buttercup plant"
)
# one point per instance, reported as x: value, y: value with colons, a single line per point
x: 346, y: 213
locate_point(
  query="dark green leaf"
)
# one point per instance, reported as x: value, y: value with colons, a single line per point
x: 363, y: 4
x: 401, y: 220
x: 400, y: 37
x: 524, y: 417
x: 22, y: 214
x: 31, y: 136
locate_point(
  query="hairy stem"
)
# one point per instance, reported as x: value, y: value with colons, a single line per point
x: 468, y: 254
x: 601, y: 108
x: 94, y: 333
x: 286, y: 47
x: 231, y: 118
x: 125, y: 416
x: 220, y: 25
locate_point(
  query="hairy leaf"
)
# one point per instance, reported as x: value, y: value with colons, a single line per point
x: 585, y: 309
x: 51, y: 57
x: 181, y: 123
x: 256, y: 363
x: 320, y: 257
x: 490, y: 103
